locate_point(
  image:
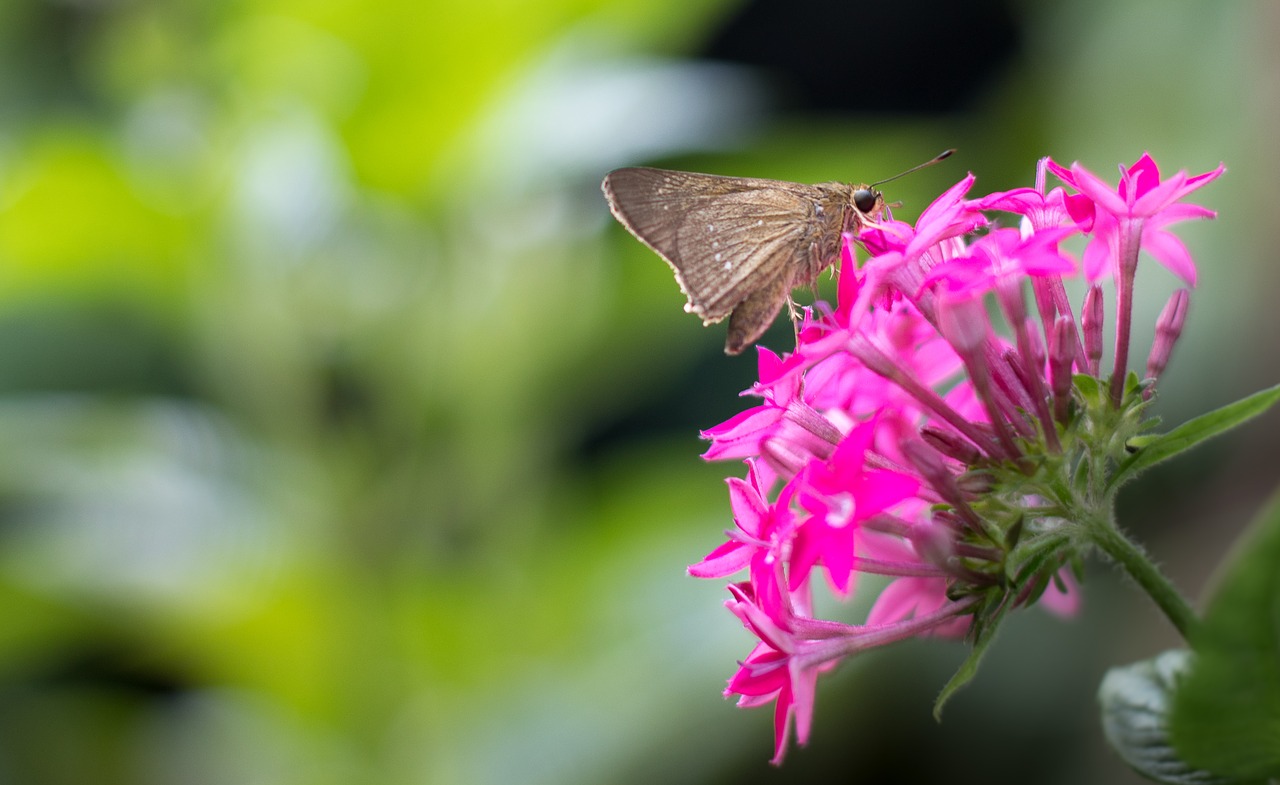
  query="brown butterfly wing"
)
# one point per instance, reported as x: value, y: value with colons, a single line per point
x: 725, y: 237
x: 752, y: 316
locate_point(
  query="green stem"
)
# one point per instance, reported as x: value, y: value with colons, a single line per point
x: 1135, y: 562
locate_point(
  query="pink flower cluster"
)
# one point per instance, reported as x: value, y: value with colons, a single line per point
x: 908, y: 437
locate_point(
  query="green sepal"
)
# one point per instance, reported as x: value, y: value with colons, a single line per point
x: 1139, y: 443
x: 1089, y: 389
x: 1035, y: 557
x: 1014, y: 533
x: 1132, y: 384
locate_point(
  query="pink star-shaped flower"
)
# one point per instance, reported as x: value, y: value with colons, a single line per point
x: 1043, y: 210
x: 839, y: 495
x: 777, y: 669
x: 1140, y: 207
x: 758, y: 525
x: 1003, y: 256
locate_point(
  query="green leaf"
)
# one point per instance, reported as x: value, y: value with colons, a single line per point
x: 1226, y: 714
x: 1135, y: 702
x: 986, y: 633
x: 1153, y: 450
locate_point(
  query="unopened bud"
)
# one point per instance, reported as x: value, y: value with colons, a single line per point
x: 814, y: 423
x: 929, y: 463
x: 1018, y: 383
x: 951, y: 444
x: 1168, y: 329
x: 1091, y: 322
x: 780, y: 457
x: 1033, y: 355
x: 1043, y: 292
x: 932, y: 468
x: 1009, y: 295
x: 976, y: 483
x: 1035, y: 345
x: 1062, y: 350
x: 934, y: 541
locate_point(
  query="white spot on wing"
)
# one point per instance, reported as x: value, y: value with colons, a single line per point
x: 760, y: 222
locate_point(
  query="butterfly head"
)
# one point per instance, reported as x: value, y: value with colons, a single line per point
x: 867, y: 199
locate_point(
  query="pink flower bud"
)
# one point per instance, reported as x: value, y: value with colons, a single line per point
x: 950, y: 444
x: 1091, y: 322
x: 1062, y: 345
x: 1168, y: 328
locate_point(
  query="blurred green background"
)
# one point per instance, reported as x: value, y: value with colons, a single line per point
x: 344, y: 438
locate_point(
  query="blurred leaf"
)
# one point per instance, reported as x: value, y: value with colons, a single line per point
x: 58, y: 347
x: 31, y: 624
x: 66, y: 734
x: 1226, y: 714
x: 410, y: 116
x: 1135, y: 718
x: 72, y: 223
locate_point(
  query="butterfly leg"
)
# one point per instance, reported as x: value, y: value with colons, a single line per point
x: 793, y: 309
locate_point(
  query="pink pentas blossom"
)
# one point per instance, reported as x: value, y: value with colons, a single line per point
x: 773, y: 672
x: 840, y: 383
x: 947, y: 217
x: 1003, y: 256
x: 1136, y: 211
x: 902, y: 253
x: 740, y: 436
x: 757, y: 524
x: 915, y: 434
x: 838, y: 496
x: 1062, y: 596
x: 1043, y: 210
x: 792, y: 652
x: 1141, y: 193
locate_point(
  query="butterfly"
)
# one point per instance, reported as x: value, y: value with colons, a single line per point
x: 739, y: 245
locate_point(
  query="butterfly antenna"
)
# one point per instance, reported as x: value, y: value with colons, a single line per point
x: 939, y: 157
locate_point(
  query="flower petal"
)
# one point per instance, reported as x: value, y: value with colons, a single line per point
x: 1099, y: 191
x: 1169, y: 251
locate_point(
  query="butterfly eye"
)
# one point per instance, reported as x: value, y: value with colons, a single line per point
x: 865, y: 199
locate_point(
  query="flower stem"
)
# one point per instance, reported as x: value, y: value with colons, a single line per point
x: 1135, y: 562
x: 1130, y: 240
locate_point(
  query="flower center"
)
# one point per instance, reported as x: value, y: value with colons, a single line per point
x: 841, y: 513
